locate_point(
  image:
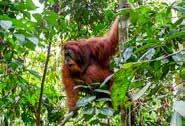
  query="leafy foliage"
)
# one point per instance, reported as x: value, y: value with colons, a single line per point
x: 150, y: 64
x: 156, y: 47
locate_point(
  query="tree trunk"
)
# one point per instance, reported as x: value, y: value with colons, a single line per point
x: 123, y: 35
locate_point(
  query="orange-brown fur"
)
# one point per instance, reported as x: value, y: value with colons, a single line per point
x: 95, y: 54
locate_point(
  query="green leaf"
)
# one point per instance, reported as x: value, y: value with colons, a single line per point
x: 176, y: 35
x: 32, y: 43
x: 84, y: 101
x: 147, y: 44
x: 106, y: 111
x: 148, y: 55
x: 26, y: 117
x: 179, y: 58
x: 35, y: 73
x: 34, y: 40
x: 179, y: 8
x: 38, y: 17
x: 28, y: 5
x: 136, y: 84
x: 176, y: 120
x: 51, y: 1
x: 94, y: 122
x: 89, y: 111
x: 104, y: 99
x: 127, y: 53
x: 5, y: 24
x: 51, y: 17
x: 179, y: 21
x: 141, y: 92
x: 21, y: 38
x: 182, y: 73
x: 178, y: 106
x: 15, y: 64
x: 122, y: 81
x: 156, y: 69
x: 20, y: 24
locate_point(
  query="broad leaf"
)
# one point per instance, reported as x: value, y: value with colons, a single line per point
x: 179, y: 8
x: 89, y: 111
x: 27, y: 5
x: 137, y: 84
x: 176, y: 35
x: 21, y: 38
x: 34, y: 40
x: 84, y: 101
x: 122, y: 81
x: 179, y: 58
x: 127, y: 53
x: 5, y: 24
x: 15, y: 64
x: 178, y: 106
x: 32, y: 43
x: 141, y: 92
x: 35, y: 73
x: 148, y: 55
x: 106, y: 111
x: 182, y: 73
x: 176, y: 120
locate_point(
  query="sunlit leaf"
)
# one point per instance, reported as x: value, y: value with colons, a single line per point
x: 176, y: 35
x: 122, y: 81
x: 106, y: 111
x: 82, y: 86
x: 137, y: 84
x: 127, y: 53
x: 178, y: 106
x: 179, y: 58
x: 89, y: 111
x: 182, y: 73
x: 102, y: 91
x: 51, y: 17
x: 32, y: 43
x: 26, y: 117
x: 27, y: 5
x: 176, y: 120
x: 179, y: 21
x: 5, y: 24
x: 34, y: 40
x: 106, y: 80
x: 179, y: 8
x: 104, y: 99
x: 35, y: 73
x: 20, y: 37
x: 141, y: 92
x: 84, y: 101
x: 148, y: 55
x: 15, y: 64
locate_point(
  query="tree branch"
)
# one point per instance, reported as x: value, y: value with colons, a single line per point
x: 38, y: 120
x: 160, y: 58
x: 66, y: 118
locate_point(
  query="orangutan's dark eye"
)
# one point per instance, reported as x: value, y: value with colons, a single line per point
x: 70, y: 65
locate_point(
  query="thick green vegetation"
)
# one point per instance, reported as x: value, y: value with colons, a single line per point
x: 150, y: 64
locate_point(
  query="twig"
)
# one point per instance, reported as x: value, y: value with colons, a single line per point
x: 66, y: 118
x: 42, y: 86
x: 157, y: 59
x: 161, y: 58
